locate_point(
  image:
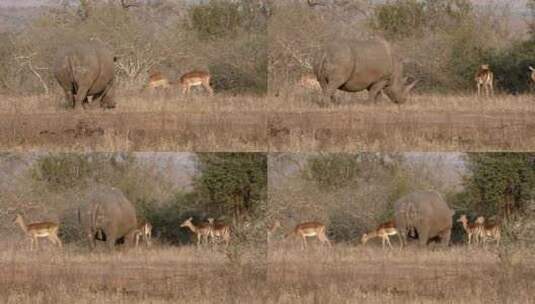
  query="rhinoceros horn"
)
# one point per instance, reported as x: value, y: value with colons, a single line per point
x: 410, y: 86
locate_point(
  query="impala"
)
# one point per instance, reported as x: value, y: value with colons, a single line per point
x: 157, y: 80
x: 272, y: 228
x: 472, y: 229
x: 383, y: 231
x: 202, y: 230
x: 144, y: 230
x: 196, y: 78
x: 484, y: 78
x: 219, y: 230
x: 309, y: 81
x: 489, y: 230
x: 311, y: 229
x: 532, y: 73
x: 39, y: 230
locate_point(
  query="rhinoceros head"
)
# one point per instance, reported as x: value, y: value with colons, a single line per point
x: 398, y: 91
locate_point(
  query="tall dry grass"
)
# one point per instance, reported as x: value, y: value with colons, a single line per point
x: 291, y: 100
x: 164, y: 121
x: 349, y: 274
x: 156, y: 275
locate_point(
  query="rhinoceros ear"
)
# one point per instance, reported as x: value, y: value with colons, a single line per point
x: 410, y: 86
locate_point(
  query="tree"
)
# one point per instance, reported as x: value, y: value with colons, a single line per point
x: 235, y: 182
x: 500, y: 183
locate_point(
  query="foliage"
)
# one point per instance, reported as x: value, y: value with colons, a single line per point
x: 404, y: 18
x: 399, y: 19
x: 167, y: 217
x: 234, y: 182
x: 63, y: 171
x: 333, y: 171
x: 216, y: 19
x: 510, y: 67
x: 499, y: 183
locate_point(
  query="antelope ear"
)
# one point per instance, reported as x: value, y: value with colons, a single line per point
x: 531, y: 68
x: 410, y: 86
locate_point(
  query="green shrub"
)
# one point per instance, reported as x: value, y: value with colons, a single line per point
x: 215, y: 19
x: 398, y: 19
x: 333, y: 171
x: 62, y: 171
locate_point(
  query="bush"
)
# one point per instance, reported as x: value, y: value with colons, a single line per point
x: 216, y: 19
x: 63, y: 171
x: 499, y: 183
x: 333, y: 171
x: 399, y: 19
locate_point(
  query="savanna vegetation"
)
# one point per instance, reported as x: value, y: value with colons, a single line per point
x: 223, y: 37
x: 353, y: 193
x: 247, y: 45
x: 166, y: 189
x: 441, y: 42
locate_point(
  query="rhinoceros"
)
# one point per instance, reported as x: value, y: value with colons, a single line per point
x: 354, y: 66
x: 86, y: 69
x: 107, y: 215
x: 428, y: 213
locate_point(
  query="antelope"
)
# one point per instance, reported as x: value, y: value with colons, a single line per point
x: 489, y: 230
x: 202, y: 230
x: 383, y: 231
x: 484, y: 78
x: 309, y: 81
x: 39, y: 230
x: 144, y: 230
x: 532, y: 73
x: 157, y: 80
x: 196, y: 78
x: 472, y: 229
x: 272, y: 228
x: 219, y: 230
x: 311, y: 229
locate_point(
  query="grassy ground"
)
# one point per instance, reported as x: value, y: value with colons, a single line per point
x: 348, y: 274
x: 157, y: 275
x: 342, y: 274
x: 165, y: 121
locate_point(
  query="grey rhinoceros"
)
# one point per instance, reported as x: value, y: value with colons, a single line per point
x: 428, y: 213
x: 106, y: 214
x: 86, y: 69
x: 354, y: 66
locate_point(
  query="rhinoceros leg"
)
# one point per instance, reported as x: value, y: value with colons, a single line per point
x: 423, y: 237
x: 81, y: 96
x: 331, y: 86
x: 69, y: 96
x: 445, y: 237
x: 375, y: 89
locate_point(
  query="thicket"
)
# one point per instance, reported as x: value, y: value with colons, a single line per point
x: 226, y: 38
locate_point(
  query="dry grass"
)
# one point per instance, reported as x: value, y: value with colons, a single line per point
x: 348, y: 274
x: 343, y: 274
x: 166, y: 121
x: 160, y: 275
